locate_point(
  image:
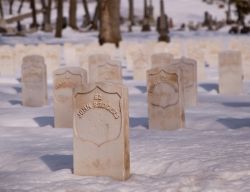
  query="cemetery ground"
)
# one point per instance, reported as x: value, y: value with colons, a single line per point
x: 210, y: 154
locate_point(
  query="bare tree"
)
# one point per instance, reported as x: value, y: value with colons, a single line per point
x: 19, y: 26
x: 109, y: 31
x: 33, y: 8
x: 46, y: 4
x: 162, y: 25
x: 131, y: 12
x: 11, y: 2
x: 59, y: 20
x: 72, y: 14
x: 87, y: 19
x: 146, y: 21
x: 96, y: 15
x: 1, y: 9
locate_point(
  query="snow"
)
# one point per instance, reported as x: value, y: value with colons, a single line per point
x: 210, y: 155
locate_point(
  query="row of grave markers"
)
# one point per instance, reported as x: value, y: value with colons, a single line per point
x: 137, y: 56
x: 34, y: 79
x: 98, y: 111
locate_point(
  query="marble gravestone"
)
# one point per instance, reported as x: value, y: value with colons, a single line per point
x: 52, y: 58
x: 34, y: 81
x: 141, y: 65
x: 7, y: 61
x: 65, y: 80
x: 165, y: 98
x: 230, y: 73
x: 198, y: 56
x: 161, y: 59
x: 93, y: 61
x: 188, y: 68
x: 101, y: 131
x: 105, y: 70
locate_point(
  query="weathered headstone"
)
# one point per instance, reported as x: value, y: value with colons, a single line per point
x: 107, y: 71
x: 230, y: 72
x: 165, y: 98
x: 34, y: 81
x: 65, y: 80
x: 70, y: 55
x: 161, y: 59
x: 7, y: 59
x: 160, y: 47
x: 141, y: 65
x: 188, y: 68
x: 101, y: 131
x: 132, y: 51
x: 20, y: 51
x: 52, y: 58
x: 198, y: 55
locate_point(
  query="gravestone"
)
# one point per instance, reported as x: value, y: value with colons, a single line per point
x: 65, y: 80
x: 34, y: 81
x: 132, y: 51
x: 141, y: 65
x: 94, y: 61
x: 101, y: 131
x: 108, y: 71
x: 19, y: 51
x: 165, y: 98
x: 70, y: 55
x: 161, y: 59
x: 160, y: 47
x: 52, y: 58
x: 198, y: 56
x: 188, y: 68
x: 230, y: 73
x: 7, y: 59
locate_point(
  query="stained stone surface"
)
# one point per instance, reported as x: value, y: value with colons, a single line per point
x: 140, y: 67
x: 101, y: 131
x: 188, y: 68
x: 34, y: 81
x: 65, y: 80
x: 161, y: 59
x: 230, y: 73
x: 165, y: 98
x: 106, y: 71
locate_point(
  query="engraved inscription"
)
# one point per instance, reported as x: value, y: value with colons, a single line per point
x: 97, y: 121
x: 164, y: 91
x: 98, y: 103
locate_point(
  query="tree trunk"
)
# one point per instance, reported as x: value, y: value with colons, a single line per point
x: 19, y: 26
x: 162, y: 25
x: 110, y: 22
x: 87, y: 19
x: 228, y: 12
x: 44, y: 12
x: 72, y: 14
x: 33, y: 7
x: 47, y: 15
x: 1, y: 9
x: 11, y: 7
x: 241, y: 16
x: 96, y: 16
x: 48, y: 26
x: 59, y: 20
x: 131, y: 12
x: 145, y: 21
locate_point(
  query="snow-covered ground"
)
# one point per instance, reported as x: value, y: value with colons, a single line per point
x: 210, y: 155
